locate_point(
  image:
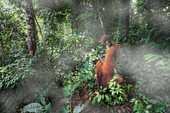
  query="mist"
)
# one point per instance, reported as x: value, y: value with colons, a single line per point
x: 133, y: 63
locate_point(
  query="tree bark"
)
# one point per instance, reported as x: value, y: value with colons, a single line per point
x: 101, y: 15
x: 31, y: 28
x: 126, y: 5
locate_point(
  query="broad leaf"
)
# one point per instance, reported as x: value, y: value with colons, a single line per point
x: 79, y: 108
x: 32, y: 107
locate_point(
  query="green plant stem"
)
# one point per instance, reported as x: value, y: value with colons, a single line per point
x: 70, y: 95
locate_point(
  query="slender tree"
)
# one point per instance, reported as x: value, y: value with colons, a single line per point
x: 125, y: 20
x: 101, y: 15
x: 31, y: 28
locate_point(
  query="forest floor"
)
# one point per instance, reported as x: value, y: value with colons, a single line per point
x: 40, y: 83
x: 99, y: 108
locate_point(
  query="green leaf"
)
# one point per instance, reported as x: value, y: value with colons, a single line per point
x: 105, y: 89
x: 75, y: 86
x: 144, y: 99
x: 99, y: 99
x: 102, y: 97
x: 48, y: 107
x: 96, y: 92
x: 153, y: 101
x: 115, y: 101
x: 90, y: 73
x: 79, y: 108
x: 87, y: 46
x: 140, y: 106
x: 3, y: 69
x: 100, y: 87
x: 148, y: 106
x: 107, y: 97
x: 113, y: 93
x: 159, y: 102
x: 146, y: 111
x: 42, y: 99
x: 159, y: 108
x: 32, y: 107
x: 110, y: 84
x: 151, y: 57
x: 86, y: 65
x: 66, y: 91
x: 67, y: 75
x: 114, y: 83
x: 120, y: 98
x: 160, y: 62
x: 65, y: 100
x: 90, y: 98
x: 135, y: 106
x: 1, y: 85
x: 148, y: 56
x: 94, y: 100
x: 83, y: 70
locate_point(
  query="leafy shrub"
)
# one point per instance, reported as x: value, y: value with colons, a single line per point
x: 13, y: 74
x: 161, y: 62
x: 12, y: 36
x: 138, y: 106
x: 72, y: 83
x: 116, y: 94
x: 82, y: 75
x: 43, y: 106
x: 142, y: 103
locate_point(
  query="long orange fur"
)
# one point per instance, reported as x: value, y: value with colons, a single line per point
x: 105, y: 71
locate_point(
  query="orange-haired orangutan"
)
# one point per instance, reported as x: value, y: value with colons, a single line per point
x: 105, y: 67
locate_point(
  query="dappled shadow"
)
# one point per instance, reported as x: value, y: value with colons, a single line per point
x: 40, y: 83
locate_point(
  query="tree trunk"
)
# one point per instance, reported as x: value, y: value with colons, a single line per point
x: 126, y: 5
x: 101, y: 15
x: 31, y: 28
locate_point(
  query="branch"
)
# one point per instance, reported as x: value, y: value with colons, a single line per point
x: 38, y: 26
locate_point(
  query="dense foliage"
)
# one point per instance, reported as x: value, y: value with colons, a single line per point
x: 13, y: 36
x: 68, y: 47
